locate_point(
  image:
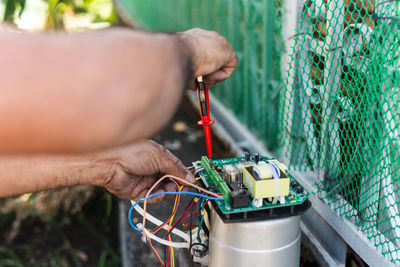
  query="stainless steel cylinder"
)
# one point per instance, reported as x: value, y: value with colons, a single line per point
x: 263, y: 243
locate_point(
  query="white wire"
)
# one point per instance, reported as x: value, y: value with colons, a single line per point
x: 163, y: 241
x: 157, y: 222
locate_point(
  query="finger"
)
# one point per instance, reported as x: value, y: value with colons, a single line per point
x: 210, y: 84
x: 144, y: 184
x: 141, y: 195
x: 151, y: 200
x: 220, y: 75
x: 170, y: 164
x: 170, y: 187
x: 157, y: 199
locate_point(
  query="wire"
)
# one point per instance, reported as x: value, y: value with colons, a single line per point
x: 173, y: 226
x: 190, y: 230
x: 198, y: 244
x: 184, y: 224
x: 161, y: 194
x: 177, y: 199
x: 177, y: 221
x: 156, y: 253
x: 176, y: 205
x: 158, y: 222
x: 196, y: 171
x: 183, y: 181
x: 163, y: 241
x: 201, y: 220
x: 180, y: 218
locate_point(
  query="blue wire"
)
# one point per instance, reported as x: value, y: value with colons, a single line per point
x: 161, y: 194
x: 276, y: 169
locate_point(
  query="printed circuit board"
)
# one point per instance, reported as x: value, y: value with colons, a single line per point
x: 254, y: 187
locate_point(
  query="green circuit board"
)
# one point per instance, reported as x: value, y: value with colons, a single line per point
x: 213, y: 178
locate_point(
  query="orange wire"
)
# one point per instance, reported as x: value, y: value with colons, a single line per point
x: 160, y: 227
x: 183, y: 181
x: 157, y: 255
x: 176, y: 204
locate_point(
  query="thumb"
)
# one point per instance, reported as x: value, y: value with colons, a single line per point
x: 171, y: 165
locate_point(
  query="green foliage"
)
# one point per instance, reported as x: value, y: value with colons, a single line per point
x: 12, y: 9
x: 94, y: 11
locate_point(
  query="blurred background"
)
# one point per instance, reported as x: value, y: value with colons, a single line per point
x: 52, y: 15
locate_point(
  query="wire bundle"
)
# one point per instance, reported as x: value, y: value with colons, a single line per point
x: 169, y: 225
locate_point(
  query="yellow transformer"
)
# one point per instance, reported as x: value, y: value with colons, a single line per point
x: 265, y: 181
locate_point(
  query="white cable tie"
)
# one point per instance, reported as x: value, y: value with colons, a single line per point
x: 163, y: 241
x: 157, y: 222
x: 275, y: 175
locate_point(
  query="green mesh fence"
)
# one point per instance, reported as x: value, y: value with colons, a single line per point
x: 337, y: 104
x: 340, y: 117
x: 252, y: 27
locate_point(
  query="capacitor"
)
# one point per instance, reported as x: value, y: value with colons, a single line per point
x: 256, y: 158
x: 247, y: 156
x: 294, y: 184
x: 299, y: 189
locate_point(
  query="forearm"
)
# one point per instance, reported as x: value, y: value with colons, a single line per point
x: 23, y: 174
x: 86, y: 91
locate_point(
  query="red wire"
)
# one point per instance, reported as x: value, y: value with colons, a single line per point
x: 160, y: 227
x: 184, y: 220
x: 172, y: 227
x: 186, y: 210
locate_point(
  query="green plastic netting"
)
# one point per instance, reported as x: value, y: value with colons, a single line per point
x: 340, y: 112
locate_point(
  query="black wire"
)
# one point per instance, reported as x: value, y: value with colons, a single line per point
x: 198, y: 244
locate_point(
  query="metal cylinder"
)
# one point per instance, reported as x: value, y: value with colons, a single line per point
x: 274, y: 242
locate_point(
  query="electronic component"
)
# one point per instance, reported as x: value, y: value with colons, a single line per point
x: 264, y: 183
x: 299, y: 189
x: 272, y: 188
x: 219, y: 183
x: 247, y: 156
x: 239, y: 196
x: 232, y: 173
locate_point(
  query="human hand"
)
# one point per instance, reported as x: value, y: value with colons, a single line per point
x: 135, y: 168
x: 212, y: 55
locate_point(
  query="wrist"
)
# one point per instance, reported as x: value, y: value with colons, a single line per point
x: 101, y: 170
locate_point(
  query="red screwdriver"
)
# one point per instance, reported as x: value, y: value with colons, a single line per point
x: 202, y: 94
